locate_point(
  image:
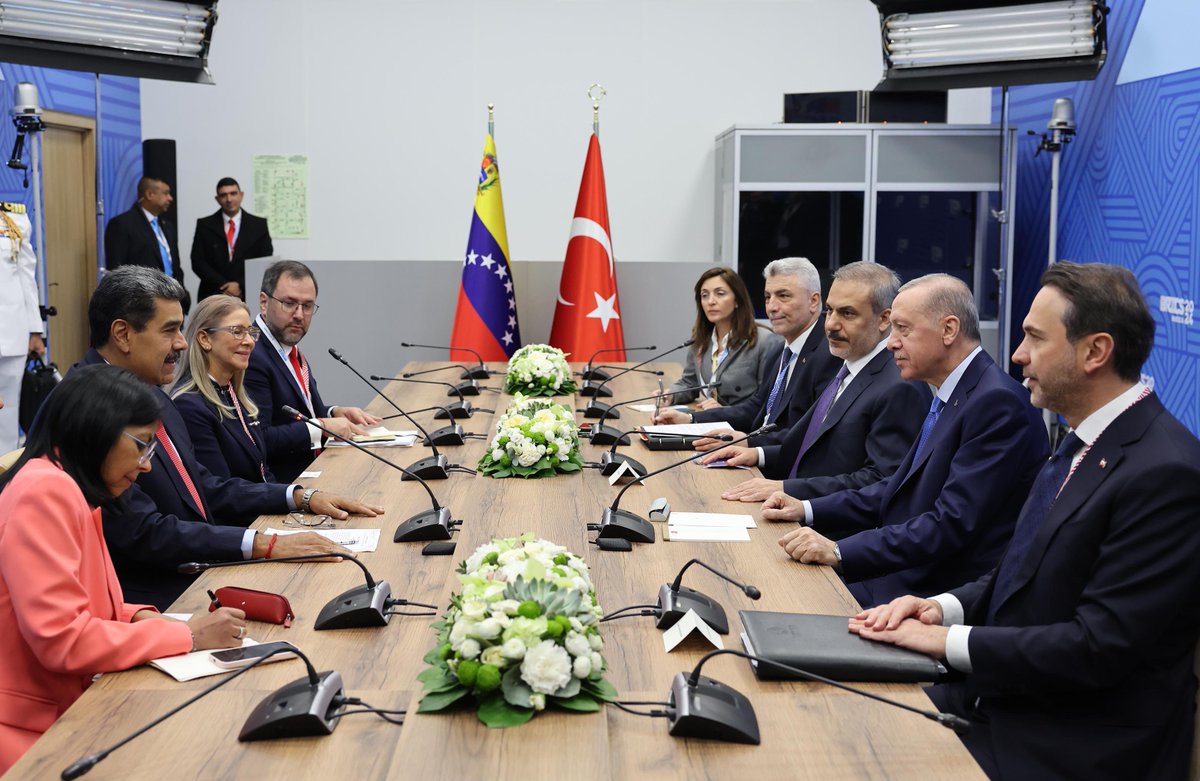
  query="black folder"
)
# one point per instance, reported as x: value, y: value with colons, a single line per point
x: 667, y: 441
x: 823, y: 645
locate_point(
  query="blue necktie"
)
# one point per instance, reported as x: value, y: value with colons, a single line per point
x: 163, y: 247
x: 1037, y: 508
x: 780, y: 381
x: 820, y: 412
x: 935, y: 409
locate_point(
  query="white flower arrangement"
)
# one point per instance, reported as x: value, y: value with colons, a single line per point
x: 523, y: 633
x: 534, y: 438
x: 539, y: 370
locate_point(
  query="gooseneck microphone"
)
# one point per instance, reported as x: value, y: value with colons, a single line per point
x: 480, y: 372
x: 603, y: 435
x: 616, y: 522
x: 675, y: 600
x: 590, y: 390
x: 459, y: 409
x: 596, y: 409
x: 700, y: 707
x: 466, y: 375
x: 590, y: 373
x: 432, y: 468
x: 434, y: 524
x: 312, y: 701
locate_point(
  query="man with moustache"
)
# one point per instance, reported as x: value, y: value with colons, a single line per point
x: 865, y: 420
x: 279, y: 374
x: 179, y: 511
x: 1076, y: 652
x: 947, y: 512
x: 225, y: 240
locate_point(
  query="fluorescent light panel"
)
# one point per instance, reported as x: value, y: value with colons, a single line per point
x: 1027, y: 32
x: 150, y: 26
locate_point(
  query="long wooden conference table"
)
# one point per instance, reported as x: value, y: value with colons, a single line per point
x: 808, y: 730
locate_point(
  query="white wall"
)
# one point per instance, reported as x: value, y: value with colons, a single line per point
x: 387, y: 98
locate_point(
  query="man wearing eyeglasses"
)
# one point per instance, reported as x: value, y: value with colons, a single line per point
x: 279, y: 374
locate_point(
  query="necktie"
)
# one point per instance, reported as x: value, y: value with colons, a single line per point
x: 300, y: 367
x: 1041, y: 499
x: 173, y: 454
x: 780, y: 381
x: 229, y: 233
x: 820, y: 412
x: 241, y: 417
x: 935, y: 409
x: 163, y: 248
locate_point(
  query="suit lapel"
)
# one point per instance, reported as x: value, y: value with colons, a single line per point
x: 279, y: 366
x: 857, y: 386
x: 164, y: 463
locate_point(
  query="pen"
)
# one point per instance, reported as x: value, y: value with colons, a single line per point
x: 216, y: 603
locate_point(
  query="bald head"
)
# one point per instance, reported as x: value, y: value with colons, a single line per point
x: 934, y: 327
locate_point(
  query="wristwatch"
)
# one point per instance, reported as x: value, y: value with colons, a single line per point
x: 306, y: 500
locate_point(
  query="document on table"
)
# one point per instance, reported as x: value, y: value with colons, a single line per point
x: 197, y: 664
x: 673, y: 533
x: 357, y: 540
x: 723, y: 520
x: 688, y: 429
x: 653, y: 408
x: 380, y: 436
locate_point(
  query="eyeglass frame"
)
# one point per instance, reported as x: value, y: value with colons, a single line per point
x: 291, y: 306
x: 148, y: 448
x: 320, y: 521
x: 253, y: 331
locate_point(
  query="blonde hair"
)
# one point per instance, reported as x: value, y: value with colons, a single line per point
x: 208, y: 314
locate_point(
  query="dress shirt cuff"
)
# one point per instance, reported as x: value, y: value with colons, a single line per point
x: 248, y: 544
x: 291, y: 497
x: 314, y: 436
x: 331, y: 410
x: 762, y: 457
x: 952, y: 609
x: 808, y: 515
x: 958, y: 648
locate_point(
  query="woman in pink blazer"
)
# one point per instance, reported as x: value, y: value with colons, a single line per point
x: 62, y: 616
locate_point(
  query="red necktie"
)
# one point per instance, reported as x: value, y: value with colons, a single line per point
x: 300, y: 366
x: 229, y: 235
x: 173, y: 454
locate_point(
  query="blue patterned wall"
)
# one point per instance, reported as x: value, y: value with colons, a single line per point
x: 74, y: 92
x: 1129, y: 195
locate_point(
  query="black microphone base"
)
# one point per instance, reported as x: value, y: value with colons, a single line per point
x: 446, y: 435
x: 598, y: 409
x: 458, y: 410
x: 611, y: 462
x: 673, y: 605
x: 598, y: 391
x: 464, y: 389
x: 595, y: 374
x: 298, y: 710
x: 356, y: 608
x: 626, y: 526
x: 478, y: 373
x: 606, y: 435
x: 711, y: 710
x: 431, y: 468
x: 426, y: 526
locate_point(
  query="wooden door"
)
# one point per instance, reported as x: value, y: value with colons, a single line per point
x: 69, y: 195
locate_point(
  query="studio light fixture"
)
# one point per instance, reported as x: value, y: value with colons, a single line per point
x: 945, y: 44
x: 162, y: 39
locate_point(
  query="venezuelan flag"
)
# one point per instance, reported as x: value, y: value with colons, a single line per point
x: 486, y: 318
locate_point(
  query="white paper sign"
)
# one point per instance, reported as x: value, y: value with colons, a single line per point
x: 685, y: 626
x: 624, y: 468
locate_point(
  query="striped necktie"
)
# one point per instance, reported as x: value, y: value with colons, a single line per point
x: 177, y: 462
x: 780, y: 382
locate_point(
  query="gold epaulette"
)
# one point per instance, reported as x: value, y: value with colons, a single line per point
x: 12, y: 208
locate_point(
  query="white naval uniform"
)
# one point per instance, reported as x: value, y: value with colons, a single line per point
x: 19, y: 317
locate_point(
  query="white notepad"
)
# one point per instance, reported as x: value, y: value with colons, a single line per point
x: 706, y: 534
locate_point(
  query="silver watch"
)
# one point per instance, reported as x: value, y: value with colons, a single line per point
x: 306, y: 500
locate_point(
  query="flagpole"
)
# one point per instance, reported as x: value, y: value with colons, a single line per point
x: 595, y: 93
x: 492, y: 120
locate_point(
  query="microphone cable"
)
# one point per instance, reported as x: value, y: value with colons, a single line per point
x: 666, y: 713
x: 341, y: 705
x: 614, y: 615
x: 390, y: 603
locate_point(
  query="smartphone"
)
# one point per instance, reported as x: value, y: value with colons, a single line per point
x: 233, y: 658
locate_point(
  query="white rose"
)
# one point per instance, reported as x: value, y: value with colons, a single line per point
x: 577, y: 645
x: 506, y: 606
x: 474, y: 610
x: 488, y: 629
x: 538, y: 701
x: 582, y: 667
x: 576, y: 625
x: 597, y: 661
x: 497, y: 453
x: 503, y: 619
x: 492, y: 655
x: 595, y: 642
x: 458, y: 632
x: 546, y: 667
x: 514, y: 649
x: 470, y: 649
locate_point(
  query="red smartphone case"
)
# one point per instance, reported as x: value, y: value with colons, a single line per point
x: 258, y: 605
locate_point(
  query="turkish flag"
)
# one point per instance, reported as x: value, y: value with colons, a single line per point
x: 587, y: 317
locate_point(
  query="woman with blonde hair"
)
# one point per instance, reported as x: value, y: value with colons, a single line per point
x: 221, y: 418
x: 729, y: 347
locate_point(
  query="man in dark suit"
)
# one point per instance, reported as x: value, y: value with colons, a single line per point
x: 865, y: 420
x: 179, y: 511
x: 801, y: 368
x: 225, y: 240
x: 279, y: 373
x: 143, y: 237
x: 1077, y: 650
x: 947, y: 512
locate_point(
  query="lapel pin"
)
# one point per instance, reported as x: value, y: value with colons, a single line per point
x: 1103, y: 462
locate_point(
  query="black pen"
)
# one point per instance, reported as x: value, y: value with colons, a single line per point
x: 216, y: 603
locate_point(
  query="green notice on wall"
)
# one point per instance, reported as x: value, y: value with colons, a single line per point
x: 281, y: 194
